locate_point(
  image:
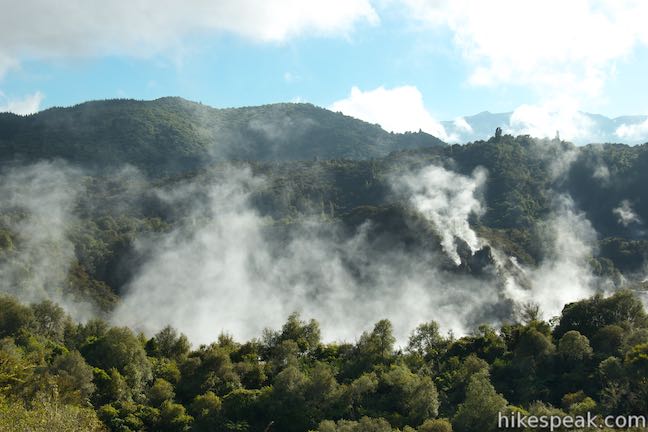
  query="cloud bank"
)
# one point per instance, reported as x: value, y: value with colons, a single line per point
x: 548, y: 120
x: 550, y: 45
x: 398, y: 109
x: 637, y: 132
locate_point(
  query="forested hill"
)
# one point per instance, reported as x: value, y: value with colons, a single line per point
x: 234, y: 219
x: 172, y: 134
x: 524, y: 178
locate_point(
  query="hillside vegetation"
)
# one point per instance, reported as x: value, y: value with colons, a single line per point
x: 94, y: 377
x: 172, y: 135
x: 91, y: 195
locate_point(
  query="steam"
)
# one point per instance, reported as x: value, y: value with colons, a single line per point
x: 447, y: 199
x: 626, y: 214
x: 37, y: 211
x: 281, y: 127
x: 602, y: 172
x: 226, y: 270
x: 564, y: 275
x: 229, y: 269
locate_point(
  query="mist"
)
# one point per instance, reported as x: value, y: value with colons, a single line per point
x: 38, y: 209
x: 224, y: 267
x: 564, y: 275
x: 225, y: 270
x: 447, y: 199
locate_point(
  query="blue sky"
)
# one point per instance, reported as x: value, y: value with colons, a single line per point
x: 402, y: 63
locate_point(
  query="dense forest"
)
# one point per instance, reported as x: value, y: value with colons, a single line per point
x: 167, y: 266
x: 59, y: 375
x: 171, y: 135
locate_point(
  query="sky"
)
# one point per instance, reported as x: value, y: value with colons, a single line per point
x: 405, y: 64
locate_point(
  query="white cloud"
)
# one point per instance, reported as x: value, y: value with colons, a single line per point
x: 633, y: 132
x: 399, y: 109
x: 45, y: 29
x: 545, y: 120
x: 462, y: 125
x: 563, y: 46
x: 564, y: 51
x: 26, y: 105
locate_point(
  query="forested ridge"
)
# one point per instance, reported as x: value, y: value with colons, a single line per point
x: 171, y: 135
x: 98, y: 200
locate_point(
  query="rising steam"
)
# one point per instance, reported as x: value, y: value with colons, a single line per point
x: 447, y: 199
x: 226, y: 268
x: 38, y: 203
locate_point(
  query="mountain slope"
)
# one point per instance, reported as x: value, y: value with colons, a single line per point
x: 173, y: 135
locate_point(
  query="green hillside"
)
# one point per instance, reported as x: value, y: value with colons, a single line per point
x: 174, y: 135
x: 81, y: 230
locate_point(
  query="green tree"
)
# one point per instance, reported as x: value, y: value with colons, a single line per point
x: 207, y: 369
x: 436, y: 425
x: 169, y: 344
x: 407, y: 398
x: 365, y: 424
x: 321, y: 392
x: 373, y: 349
x: 206, y: 410
x: 119, y: 348
x: 173, y: 418
x: 427, y: 343
x: 289, y: 400
x: 110, y: 387
x: 479, y: 412
x: 160, y: 391
x: 47, y: 415
x: 588, y: 316
x: 50, y: 320
x: 254, y: 408
x: 73, y: 377
x: 609, y: 340
x: 305, y: 334
x: 13, y: 316
x: 16, y: 371
x: 574, y: 347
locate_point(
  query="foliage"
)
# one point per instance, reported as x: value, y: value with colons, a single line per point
x: 593, y: 357
x: 172, y: 134
x: 103, y: 377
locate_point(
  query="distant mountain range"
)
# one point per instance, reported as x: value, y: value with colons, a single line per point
x: 595, y: 128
